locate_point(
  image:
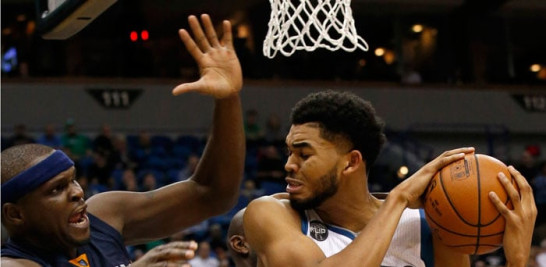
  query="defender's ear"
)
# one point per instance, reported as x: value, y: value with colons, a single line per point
x: 12, y: 214
x: 239, y: 244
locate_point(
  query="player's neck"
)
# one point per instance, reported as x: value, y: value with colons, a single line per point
x: 349, y: 211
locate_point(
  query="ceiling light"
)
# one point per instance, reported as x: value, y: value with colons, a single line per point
x: 417, y: 28
x: 535, y: 67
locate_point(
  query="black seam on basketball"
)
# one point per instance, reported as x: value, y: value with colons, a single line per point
x: 469, y: 245
x: 494, y: 234
x: 479, y: 203
x: 461, y: 234
x: 448, y: 230
x: 494, y: 219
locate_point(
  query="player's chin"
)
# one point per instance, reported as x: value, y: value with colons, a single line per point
x: 299, y: 203
x: 81, y: 236
x: 299, y: 197
x: 82, y: 240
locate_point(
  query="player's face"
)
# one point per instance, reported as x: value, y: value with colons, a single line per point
x: 55, y: 213
x: 313, y: 166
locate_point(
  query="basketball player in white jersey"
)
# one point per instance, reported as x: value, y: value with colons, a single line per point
x: 331, y: 219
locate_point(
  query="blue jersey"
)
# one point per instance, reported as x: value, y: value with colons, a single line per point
x: 105, y: 249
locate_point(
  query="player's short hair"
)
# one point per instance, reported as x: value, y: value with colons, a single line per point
x: 18, y: 158
x: 345, y: 115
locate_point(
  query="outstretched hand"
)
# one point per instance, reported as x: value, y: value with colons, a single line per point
x: 520, y: 221
x: 171, y: 254
x: 413, y: 188
x: 219, y: 67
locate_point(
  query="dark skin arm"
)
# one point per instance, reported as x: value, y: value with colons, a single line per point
x: 214, y: 187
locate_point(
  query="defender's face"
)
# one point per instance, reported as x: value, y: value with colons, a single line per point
x: 313, y: 166
x: 55, y: 213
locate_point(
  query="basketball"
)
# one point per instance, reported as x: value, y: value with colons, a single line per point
x: 457, y: 205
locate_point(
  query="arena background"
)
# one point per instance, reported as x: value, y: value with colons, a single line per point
x: 473, y: 75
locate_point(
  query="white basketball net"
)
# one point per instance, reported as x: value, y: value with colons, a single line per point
x: 309, y: 24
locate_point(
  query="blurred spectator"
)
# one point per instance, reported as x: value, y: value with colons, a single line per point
x: 250, y: 191
x: 96, y: 188
x: 273, y: 131
x: 100, y: 171
x: 222, y: 256
x: 270, y: 171
x: 50, y: 137
x: 203, y: 257
x: 197, y: 232
x: 129, y: 181
x: 539, y: 184
x: 76, y: 145
x: 20, y: 136
x: 540, y: 257
x: 103, y: 142
x: 537, y: 257
x: 121, y: 155
x: 142, y: 149
x: 149, y: 182
x: 144, y: 140
x: 191, y: 166
x: 253, y: 132
x: 217, y: 238
x: 270, y: 165
x: 527, y: 162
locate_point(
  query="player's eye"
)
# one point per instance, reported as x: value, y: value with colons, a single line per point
x: 59, y: 188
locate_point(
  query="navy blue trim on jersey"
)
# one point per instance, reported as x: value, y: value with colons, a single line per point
x: 304, y: 222
x: 427, y: 249
x: 341, y: 231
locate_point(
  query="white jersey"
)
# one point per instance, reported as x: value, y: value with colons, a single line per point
x: 411, y: 244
